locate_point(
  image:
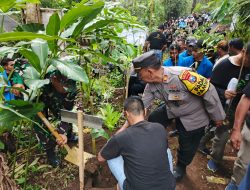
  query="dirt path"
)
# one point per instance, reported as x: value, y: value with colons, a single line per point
x: 197, y: 171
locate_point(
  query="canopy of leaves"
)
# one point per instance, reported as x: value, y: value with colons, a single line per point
x: 6, y: 5
x: 89, y: 21
x: 234, y: 13
x: 154, y: 12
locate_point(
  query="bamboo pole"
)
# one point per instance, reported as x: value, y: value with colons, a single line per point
x: 81, y: 148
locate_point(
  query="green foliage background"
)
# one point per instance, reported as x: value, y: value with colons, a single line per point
x: 149, y: 12
x: 154, y: 12
x: 228, y: 12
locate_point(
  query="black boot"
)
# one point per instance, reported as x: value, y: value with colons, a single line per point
x: 179, y: 172
x: 53, y: 160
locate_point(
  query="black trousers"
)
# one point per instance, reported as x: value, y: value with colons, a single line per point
x: 188, y: 140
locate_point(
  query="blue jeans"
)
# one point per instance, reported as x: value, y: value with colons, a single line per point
x: 116, y: 166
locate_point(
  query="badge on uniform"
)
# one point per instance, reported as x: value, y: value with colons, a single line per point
x: 175, y: 96
x: 194, y: 82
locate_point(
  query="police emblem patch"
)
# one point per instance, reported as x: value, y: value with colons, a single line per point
x: 192, y: 79
x: 194, y: 82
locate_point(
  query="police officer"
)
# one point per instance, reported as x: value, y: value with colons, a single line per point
x: 188, y: 97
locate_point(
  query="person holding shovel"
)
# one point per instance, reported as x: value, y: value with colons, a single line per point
x: 138, y: 156
x: 189, y: 98
x: 58, y: 94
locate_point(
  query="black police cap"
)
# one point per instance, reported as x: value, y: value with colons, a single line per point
x: 145, y: 60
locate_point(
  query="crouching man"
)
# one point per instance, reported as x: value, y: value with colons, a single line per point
x: 137, y: 156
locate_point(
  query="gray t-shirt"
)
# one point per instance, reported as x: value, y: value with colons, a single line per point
x: 144, y: 150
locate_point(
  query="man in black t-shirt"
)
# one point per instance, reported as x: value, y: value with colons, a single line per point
x: 221, y: 76
x: 235, y: 46
x: 241, y: 139
x: 137, y: 156
x: 156, y: 41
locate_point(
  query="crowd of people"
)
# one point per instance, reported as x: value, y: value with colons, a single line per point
x: 194, y: 86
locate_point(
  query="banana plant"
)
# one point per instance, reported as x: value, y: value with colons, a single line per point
x: 43, y: 57
x: 34, y: 78
x: 42, y: 63
x: 46, y: 52
x: 62, y: 35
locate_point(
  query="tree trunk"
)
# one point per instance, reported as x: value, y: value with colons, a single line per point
x: 33, y: 14
x: 193, y: 5
x: 151, y: 8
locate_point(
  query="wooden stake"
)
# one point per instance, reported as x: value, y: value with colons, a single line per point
x: 81, y: 148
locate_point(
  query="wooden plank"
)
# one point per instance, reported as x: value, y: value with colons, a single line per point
x: 89, y: 120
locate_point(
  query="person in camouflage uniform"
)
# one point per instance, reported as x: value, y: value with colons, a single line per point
x: 58, y: 94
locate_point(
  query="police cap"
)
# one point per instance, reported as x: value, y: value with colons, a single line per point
x: 145, y: 60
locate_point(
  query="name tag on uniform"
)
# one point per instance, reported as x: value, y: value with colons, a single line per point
x: 175, y: 96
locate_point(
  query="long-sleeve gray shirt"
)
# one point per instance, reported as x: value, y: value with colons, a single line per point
x: 194, y: 111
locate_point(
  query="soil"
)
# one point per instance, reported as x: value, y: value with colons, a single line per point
x: 197, y: 171
x: 194, y: 180
x: 98, y: 174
